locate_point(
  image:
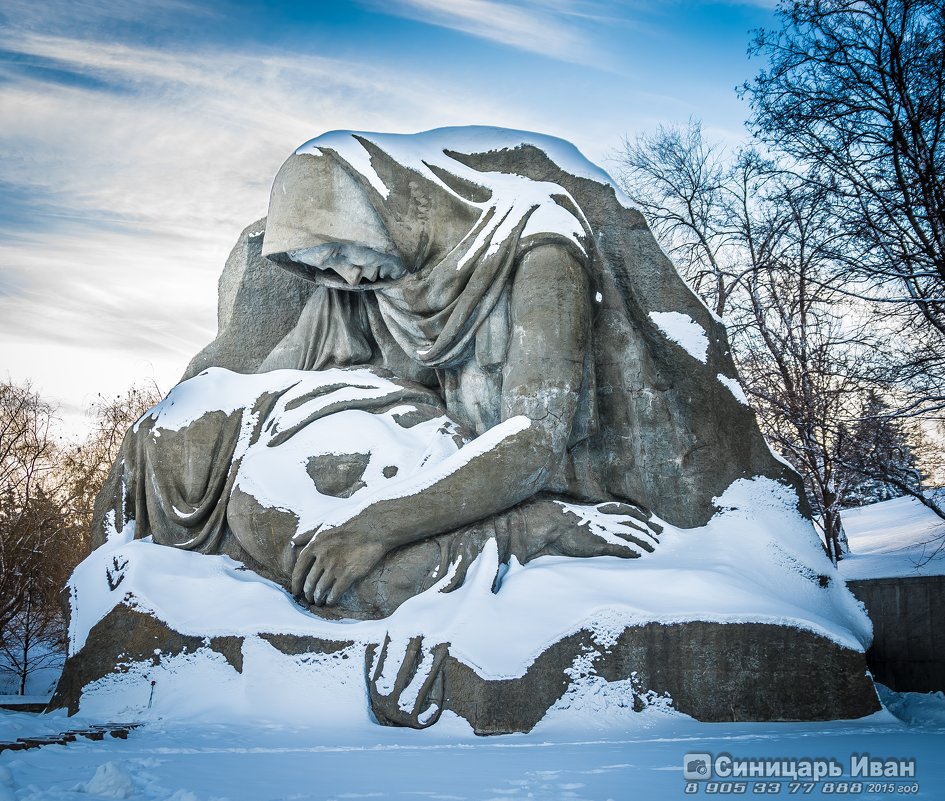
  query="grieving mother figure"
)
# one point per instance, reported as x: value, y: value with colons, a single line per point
x: 497, y: 310
x: 519, y: 296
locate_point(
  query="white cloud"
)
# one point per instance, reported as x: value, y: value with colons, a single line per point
x: 70, y: 16
x: 144, y: 189
x: 534, y: 27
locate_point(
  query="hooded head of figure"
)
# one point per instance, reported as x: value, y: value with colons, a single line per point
x: 329, y: 223
x: 434, y: 240
x: 323, y: 227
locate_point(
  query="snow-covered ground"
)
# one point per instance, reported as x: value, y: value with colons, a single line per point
x: 636, y: 755
x: 595, y: 752
x: 894, y: 538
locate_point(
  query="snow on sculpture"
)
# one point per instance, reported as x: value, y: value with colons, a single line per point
x: 259, y: 466
x: 488, y: 361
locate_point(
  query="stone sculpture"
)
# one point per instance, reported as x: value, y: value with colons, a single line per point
x: 489, y: 294
x: 487, y: 349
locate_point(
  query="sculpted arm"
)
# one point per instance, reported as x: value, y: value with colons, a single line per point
x: 511, y: 462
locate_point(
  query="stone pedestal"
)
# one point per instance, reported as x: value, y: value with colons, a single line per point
x: 711, y: 671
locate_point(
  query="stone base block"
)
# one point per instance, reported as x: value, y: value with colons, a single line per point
x: 711, y: 671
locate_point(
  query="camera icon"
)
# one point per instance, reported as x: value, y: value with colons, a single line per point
x: 697, y: 767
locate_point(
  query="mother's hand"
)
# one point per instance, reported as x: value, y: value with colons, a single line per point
x: 332, y: 561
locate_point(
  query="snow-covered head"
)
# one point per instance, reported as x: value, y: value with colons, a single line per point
x: 347, y: 212
x: 434, y: 240
x: 324, y: 226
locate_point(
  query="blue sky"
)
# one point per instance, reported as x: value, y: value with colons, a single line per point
x: 139, y: 138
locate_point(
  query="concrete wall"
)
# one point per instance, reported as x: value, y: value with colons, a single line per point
x: 908, y: 614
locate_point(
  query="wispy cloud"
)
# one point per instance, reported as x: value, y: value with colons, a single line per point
x: 89, y: 16
x: 205, y: 118
x: 536, y: 27
x: 129, y: 171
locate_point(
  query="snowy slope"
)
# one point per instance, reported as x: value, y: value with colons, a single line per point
x: 696, y: 574
x: 894, y: 538
x: 595, y: 750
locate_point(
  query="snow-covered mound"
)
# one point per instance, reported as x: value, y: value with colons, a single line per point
x: 893, y: 538
x: 695, y: 575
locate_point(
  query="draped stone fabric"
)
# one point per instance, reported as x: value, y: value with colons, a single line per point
x: 445, y: 322
x: 414, y: 261
x: 176, y: 481
x: 210, y: 480
x: 173, y: 480
x: 655, y: 425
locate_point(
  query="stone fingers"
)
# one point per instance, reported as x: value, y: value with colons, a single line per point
x: 624, y: 510
x: 339, y: 588
x: 613, y: 549
x: 638, y: 541
x: 313, y: 576
x: 314, y: 582
x: 329, y: 579
x: 637, y: 513
x: 429, y: 703
x: 414, y: 697
x: 303, y: 539
x: 303, y: 564
x: 376, y: 659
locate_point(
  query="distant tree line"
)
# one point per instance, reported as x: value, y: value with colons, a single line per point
x: 822, y: 244
x: 47, y: 494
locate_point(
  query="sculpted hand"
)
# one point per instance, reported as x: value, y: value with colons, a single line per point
x: 617, y: 530
x: 331, y: 562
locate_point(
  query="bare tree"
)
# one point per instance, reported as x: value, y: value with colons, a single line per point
x: 27, y: 451
x: 803, y: 358
x: 85, y: 466
x: 47, y: 493
x: 35, y: 637
x: 759, y: 243
x: 681, y: 184
x: 855, y: 92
